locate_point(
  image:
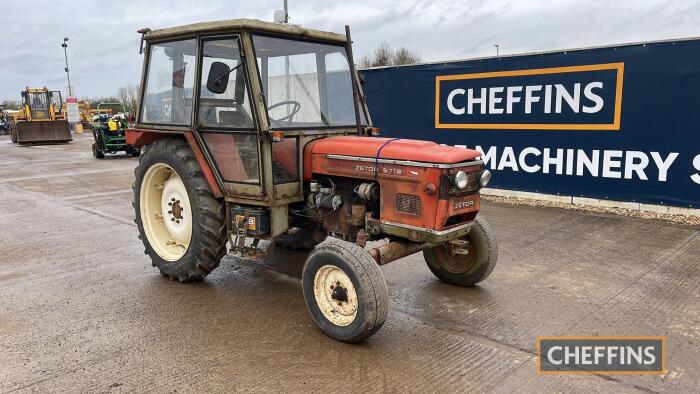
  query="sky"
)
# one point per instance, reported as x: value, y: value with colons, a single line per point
x: 103, y: 43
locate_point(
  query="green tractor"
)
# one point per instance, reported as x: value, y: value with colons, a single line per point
x: 109, y: 131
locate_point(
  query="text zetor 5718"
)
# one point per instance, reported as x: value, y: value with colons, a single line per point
x: 258, y: 134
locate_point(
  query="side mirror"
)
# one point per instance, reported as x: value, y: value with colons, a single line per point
x: 217, y: 82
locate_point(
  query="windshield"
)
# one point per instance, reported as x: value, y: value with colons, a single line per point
x: 38, y: 105
x: 306, y: 84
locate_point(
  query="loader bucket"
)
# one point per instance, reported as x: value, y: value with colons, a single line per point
x: 43, y: 132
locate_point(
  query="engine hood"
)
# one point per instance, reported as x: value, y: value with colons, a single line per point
x: 396, y: 149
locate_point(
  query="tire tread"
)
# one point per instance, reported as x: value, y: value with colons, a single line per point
x: 211, y: 247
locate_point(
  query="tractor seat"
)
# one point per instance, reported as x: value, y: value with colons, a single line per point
x: 233, y: 119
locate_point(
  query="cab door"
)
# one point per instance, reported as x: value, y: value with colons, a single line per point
x: 225, y: 118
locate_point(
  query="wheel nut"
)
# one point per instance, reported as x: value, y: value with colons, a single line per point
x: 171, y: 204
x: 170, y: 211
x: 172, y: 219
x: 172, y: 199
x: 177, y: 221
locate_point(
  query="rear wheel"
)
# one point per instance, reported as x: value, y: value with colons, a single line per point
x: 181, y: 224
x: 345, y: 291
x: 465, y: 263
x: 13, y: 134
x: 96, y: 152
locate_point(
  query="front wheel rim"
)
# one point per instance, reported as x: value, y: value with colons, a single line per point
x: 335, y: 295
x: 166, y: 213
x: 457, y: 263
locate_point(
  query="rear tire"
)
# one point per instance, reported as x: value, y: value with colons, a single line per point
x: 13, y: 134
x: 168, y: 170
x: 472, y: 268
x: 345, y: 291
x: 97, y: 153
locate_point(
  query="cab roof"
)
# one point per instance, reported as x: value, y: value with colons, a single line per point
x: 243, y: 24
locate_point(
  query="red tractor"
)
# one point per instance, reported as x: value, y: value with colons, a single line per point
x: 258, y: 134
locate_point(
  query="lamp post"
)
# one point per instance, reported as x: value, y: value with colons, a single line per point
x: 496, y: 45
x: 65, y: 53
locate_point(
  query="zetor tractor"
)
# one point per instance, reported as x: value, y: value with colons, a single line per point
x: 257, y: 134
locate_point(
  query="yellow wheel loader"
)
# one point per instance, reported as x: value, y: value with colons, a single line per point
x: 41, y: 118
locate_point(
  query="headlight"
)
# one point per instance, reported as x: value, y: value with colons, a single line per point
x: 461, y: 180
x: 485, y: 178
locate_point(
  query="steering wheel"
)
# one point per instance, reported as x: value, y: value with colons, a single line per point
x: 288, y: 119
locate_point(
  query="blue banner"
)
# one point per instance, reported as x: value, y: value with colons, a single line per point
x: 619, y: 123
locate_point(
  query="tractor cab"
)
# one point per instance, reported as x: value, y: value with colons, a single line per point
x: 256, y: 131
x: 252, y: 94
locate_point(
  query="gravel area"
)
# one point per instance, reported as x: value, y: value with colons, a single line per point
x: 682, y: 219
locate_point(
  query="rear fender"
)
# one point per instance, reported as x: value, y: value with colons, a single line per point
x: 139, y: 138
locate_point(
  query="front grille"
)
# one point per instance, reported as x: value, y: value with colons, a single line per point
x: 408, y: 203
x: 447, y: 188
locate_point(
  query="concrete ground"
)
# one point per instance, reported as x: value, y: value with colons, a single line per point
x: 81, y: 308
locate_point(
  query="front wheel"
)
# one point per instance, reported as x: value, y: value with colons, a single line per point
x: 468, y: 262
x: 181, y: 224
x: 345, y: 291
x: 134, y: 152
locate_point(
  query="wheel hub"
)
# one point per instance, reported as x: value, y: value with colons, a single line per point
x: 175, y: 209
x: 339, y: 293
x: 458, y: 256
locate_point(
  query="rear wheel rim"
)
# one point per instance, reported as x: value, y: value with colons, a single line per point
x: 335, y: 295
x: 166, y: 213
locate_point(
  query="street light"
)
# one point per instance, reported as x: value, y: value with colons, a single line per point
x: 65, y: 53
x: 496, y: 45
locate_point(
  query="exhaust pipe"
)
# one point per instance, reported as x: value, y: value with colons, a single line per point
x: 395, y: 250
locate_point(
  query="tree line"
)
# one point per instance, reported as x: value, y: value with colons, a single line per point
x: 127, y: 95
x: 385, y: 55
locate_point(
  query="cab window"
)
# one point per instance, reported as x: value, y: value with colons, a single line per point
x: 225, y: 119
x: 306, y: 84
x: 169, y: 83
x: 224, y: 101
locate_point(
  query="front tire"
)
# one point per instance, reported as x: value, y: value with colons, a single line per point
x: 181, y: 224
x: 345, y: 291
x: 472, y: 268
x: 134, y: 152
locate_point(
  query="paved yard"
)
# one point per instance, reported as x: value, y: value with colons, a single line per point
x: 81, y: 308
